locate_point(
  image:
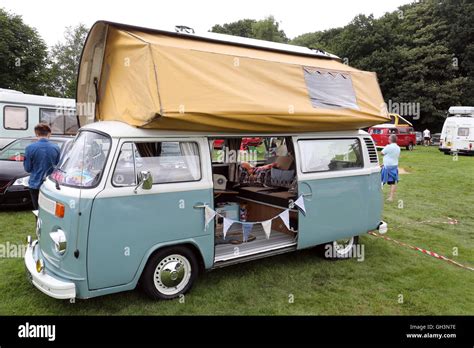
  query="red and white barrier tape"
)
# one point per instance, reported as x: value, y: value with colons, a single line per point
x: 450, y: 221
x: 424, y: 251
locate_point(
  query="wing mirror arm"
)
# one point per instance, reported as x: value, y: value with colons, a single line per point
x: 145, y: 181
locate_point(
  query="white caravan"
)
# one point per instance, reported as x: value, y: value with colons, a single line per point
x: 458, y: 131
x: 20, y: 113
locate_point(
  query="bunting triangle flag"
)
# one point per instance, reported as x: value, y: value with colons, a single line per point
x: 300, y: 204
x: 285, y: 217
x: 227, y: 224
x: 208, y: 215
x: 246, y: 229
x: 267, y: 227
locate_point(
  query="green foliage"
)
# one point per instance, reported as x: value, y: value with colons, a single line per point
x: 422, y: 53
x: 242, y: 28
x: 265, y: 29
x: 65, y: 58
x: 23, y: 56
x: 268, y: 29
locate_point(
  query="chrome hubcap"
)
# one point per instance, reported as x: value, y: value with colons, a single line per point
x: 342, y: 247
x: 172, y: 274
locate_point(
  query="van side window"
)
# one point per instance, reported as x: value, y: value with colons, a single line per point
x: 403, y: 130
x: 124, y: 173
x: 463, y: 132
x: 15, y: 118
x: 168, y: 162
x: 61, y: 121
x: 330, y: 155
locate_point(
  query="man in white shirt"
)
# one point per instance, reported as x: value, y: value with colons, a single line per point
x: 391, y: 154
x: 427, y: 136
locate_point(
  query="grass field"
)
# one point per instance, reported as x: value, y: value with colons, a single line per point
x: 435, y: 188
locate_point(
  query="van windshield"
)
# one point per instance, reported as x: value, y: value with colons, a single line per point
x: 83, y: 164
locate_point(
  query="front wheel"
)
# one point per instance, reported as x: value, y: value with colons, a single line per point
x: 341, y: 249
x: 169, y: 273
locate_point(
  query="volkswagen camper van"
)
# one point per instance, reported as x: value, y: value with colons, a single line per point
x: 133, y: 201
x: 406, y: 135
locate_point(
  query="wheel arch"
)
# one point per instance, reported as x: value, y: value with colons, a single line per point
x: 190, y: 244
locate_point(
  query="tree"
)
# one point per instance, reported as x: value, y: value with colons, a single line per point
x: 268, y: 29
x: 422, y: 53
x: 65, y: 58
x: 265, y: 29
x: 23, y: 56
x: 242, y: 28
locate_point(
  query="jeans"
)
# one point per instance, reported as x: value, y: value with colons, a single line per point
x: 34, y: 193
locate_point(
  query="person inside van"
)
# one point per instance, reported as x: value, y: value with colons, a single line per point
x: 391, y: 154
x: 427, y: 137
x: 40, y: 159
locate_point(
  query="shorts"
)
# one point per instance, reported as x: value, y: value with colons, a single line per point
x: 389, y: 175
x: 427, y: 138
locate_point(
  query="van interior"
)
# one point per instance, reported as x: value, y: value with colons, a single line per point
x: 254, y: 181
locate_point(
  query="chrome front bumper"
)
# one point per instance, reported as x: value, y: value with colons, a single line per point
x: 47, y: 283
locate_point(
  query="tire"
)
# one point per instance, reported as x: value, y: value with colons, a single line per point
x: 333, y: 250
x: 170, y: 273
x: 410, y: 147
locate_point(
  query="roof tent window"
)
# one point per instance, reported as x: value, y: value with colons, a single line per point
x: 15, y: 117
x: 330, y: 89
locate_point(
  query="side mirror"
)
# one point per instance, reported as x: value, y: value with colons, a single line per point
x: 145, y: 181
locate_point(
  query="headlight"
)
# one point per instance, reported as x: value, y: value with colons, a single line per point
x: 22, y: 181
x: 59, y: 239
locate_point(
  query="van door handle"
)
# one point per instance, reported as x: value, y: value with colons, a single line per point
x: 200, y: 206
x: 306, y: 194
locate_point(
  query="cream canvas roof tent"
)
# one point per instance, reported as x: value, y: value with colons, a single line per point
x: 218, y: 83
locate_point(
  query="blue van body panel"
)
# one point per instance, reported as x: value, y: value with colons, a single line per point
x: 125, y: 230
x: 75, y: 227
x: 339, y: 207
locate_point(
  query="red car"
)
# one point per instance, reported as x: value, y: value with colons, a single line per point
x: 246, y: 142
x: 406, y: 136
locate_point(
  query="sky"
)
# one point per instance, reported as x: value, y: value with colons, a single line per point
x: 50, y: 17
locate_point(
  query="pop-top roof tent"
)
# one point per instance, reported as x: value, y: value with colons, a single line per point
x: 219, y: 83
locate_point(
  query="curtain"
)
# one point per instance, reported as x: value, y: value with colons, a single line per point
x: 190, y: 154
x: 234, y: 145
x: 149, y: 149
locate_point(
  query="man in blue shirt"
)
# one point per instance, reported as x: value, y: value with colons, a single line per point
x: 391, y: 154
x: 40, y: 159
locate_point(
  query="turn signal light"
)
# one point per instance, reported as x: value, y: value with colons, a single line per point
x: 39, y: 266
x: 59, y: 211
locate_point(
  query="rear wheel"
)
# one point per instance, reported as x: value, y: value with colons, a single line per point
x: 341, y: 248
x: 169, y: 273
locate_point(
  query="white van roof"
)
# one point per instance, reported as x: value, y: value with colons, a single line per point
x: 117, y: 129
x: 16, y: 97
x: 462, y: 110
